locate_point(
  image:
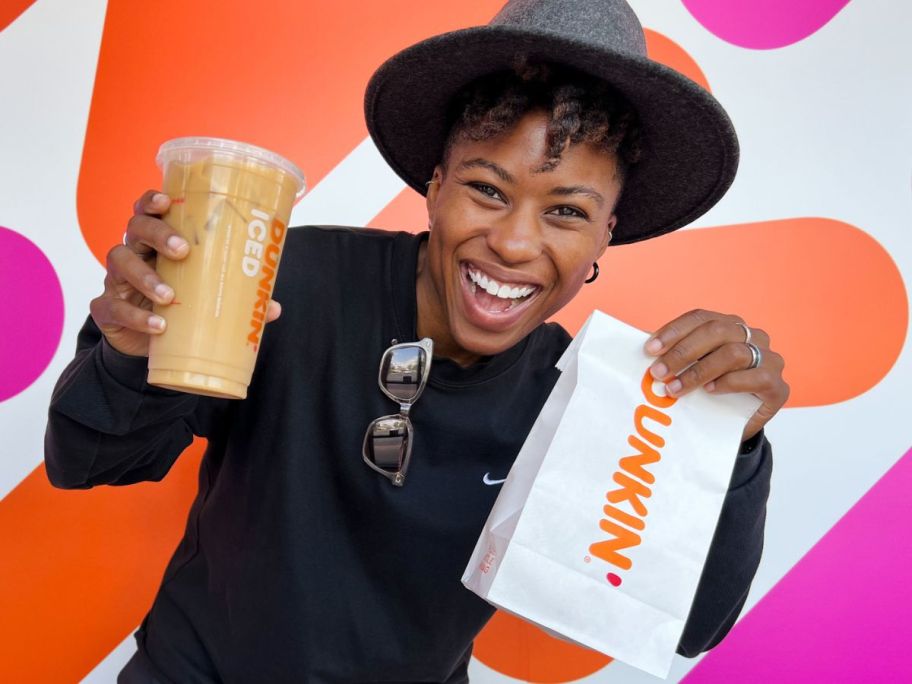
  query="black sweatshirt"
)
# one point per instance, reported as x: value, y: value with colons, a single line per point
x: 298, y: 562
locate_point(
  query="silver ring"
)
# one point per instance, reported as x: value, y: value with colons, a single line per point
x: 756, y: 356
x: 747, y: 333
x: 125, y: 239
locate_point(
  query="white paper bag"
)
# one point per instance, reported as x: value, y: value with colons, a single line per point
x: 603, y: 549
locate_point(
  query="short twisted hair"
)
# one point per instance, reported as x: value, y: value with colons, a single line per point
x: 582, y: 109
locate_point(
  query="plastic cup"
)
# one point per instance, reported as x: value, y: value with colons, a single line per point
x: 232, y: 202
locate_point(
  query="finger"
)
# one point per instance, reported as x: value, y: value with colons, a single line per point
x: 152, y: 202
x: 765, y: 384
x: 760, y: 337
x: 673, y: 331
x: 147, y: 235
x: 762, y: 381
x: 125, y: 267
x: 112, y: 314
x: 700, y: 341
x: 729, y: 358
x: 273, y: 311
x: 755, y: 335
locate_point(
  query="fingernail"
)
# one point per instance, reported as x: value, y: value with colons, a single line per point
x: 156, y: 322
x: 654, y: 345
x: 163, y: 291
x: 710, y: 386
x: 674, y: 386
x: 177, y: 244
x: 159, y: 198
x: 659, y: 370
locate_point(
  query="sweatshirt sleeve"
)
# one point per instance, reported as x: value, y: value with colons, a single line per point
x: 106, y: 425
x: 734, y: 553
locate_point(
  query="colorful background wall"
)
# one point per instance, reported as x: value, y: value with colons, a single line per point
x: 812, y: 243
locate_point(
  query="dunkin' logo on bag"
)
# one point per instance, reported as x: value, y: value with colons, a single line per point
x: 625, y: 511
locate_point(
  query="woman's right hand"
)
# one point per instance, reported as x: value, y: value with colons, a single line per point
x: 123, y: 312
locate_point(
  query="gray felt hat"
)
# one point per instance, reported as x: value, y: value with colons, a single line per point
x: 689, y: 148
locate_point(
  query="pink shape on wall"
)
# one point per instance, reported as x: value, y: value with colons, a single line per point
x: 843, y: 613
x: 763, y: 24
x: 31, y: 313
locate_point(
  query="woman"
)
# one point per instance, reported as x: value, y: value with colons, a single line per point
x: 299, y: 563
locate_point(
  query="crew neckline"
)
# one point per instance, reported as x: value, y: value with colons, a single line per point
x: 444, y: 372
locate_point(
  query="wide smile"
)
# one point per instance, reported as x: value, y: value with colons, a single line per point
x: 491, y: 302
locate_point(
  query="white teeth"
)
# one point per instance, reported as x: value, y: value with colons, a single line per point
x: 492, y: 287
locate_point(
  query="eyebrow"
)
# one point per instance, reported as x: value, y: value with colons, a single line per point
x: 507, y: 177
x: 501, y: 172
x: 579, y: 190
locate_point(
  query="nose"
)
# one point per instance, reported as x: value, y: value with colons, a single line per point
x: 516, y: 237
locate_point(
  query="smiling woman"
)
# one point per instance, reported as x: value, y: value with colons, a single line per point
x: 521, y: 204
x: 499, y: 224
x: 308, y: 556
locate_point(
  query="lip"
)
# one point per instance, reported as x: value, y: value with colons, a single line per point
x: 499, y: 274
x: 487, y: 320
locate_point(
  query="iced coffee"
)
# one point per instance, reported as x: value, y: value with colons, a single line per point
x: 232, y: 203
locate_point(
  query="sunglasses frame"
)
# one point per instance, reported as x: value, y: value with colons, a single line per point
x: 398, y: 477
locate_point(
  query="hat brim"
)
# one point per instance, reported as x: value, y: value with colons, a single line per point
x: 690, y: 150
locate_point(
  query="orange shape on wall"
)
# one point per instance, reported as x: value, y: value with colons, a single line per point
x: 282, y: 75
x: 79, y: 569
x: 663, y: 49
x: 407, y: 212
x: 11, y: 9
x: 829, y: 294
x: 518, y: 649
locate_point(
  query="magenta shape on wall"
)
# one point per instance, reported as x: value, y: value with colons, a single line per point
x: 843, y: 613
x: 763, y: 24
x: 31, y: 313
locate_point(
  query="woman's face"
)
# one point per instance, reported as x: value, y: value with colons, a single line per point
x: 510, y: 244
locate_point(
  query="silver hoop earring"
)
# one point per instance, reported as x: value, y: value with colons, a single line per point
x: 595, y: 272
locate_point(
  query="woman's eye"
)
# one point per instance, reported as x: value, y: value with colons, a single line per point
x: 569, y: 212
x: 487, y: 190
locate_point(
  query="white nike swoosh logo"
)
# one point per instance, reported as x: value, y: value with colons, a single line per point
x: 488, y: 481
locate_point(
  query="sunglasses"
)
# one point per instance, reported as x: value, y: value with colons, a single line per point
x: 404, y: 370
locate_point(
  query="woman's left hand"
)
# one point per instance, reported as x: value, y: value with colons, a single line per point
x: 708, y: 349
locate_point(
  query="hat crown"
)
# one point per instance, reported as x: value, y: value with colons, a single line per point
x: 606, y: 24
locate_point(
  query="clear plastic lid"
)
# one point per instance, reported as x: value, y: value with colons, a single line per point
x: 172, y: 148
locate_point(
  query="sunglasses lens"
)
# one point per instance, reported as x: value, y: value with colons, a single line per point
x: 387, y: 443
x: 402, y: 370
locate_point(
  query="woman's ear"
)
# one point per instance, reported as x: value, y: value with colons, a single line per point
x: 433, y: 190
x: 606, y: 237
